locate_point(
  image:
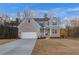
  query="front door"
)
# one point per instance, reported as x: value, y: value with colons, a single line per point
x: 47, y: 32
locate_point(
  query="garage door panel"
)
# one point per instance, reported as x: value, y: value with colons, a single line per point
x: 25, y: 35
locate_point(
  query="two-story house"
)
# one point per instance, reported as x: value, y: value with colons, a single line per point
x: 50, y: 27
x: 45, y: 26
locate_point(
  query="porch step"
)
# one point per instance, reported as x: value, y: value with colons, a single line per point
x: 47, y: 38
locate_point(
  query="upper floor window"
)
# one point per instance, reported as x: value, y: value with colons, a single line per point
x: 46, y: 23
x: 54, y: 22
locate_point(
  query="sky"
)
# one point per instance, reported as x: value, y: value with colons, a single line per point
x: 63, y: 10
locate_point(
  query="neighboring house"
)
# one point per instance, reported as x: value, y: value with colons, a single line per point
x: 44, y: 27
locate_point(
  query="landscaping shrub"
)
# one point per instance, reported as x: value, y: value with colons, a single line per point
x: 8, y: 32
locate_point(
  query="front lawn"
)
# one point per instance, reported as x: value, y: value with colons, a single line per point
x: 56, y: 47
x: 4, y: 41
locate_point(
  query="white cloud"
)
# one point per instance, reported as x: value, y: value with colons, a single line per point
x: 40, y: 13
x: 73, y: 9
x: 37, y: 13
x: 61, y: 12
x: 64, y: 12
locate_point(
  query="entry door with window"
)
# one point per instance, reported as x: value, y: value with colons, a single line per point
x: 47, y: 32
x: 54, y: 31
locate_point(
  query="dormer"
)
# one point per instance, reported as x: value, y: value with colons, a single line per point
x: 54, y: 20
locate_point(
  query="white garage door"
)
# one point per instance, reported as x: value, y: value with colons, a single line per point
x: 25, y: 35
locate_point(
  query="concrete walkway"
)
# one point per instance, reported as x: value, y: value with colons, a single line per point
x: 18, y: 47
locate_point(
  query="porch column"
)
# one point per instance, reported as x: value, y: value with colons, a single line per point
x: 50, y: 32
x: 44, y: 31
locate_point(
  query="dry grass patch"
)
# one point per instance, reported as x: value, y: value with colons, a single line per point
x: 4, y: 41
x: 56, y: 47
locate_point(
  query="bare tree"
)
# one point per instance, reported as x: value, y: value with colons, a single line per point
x: 18, y: 17
x: 51, y: 13
x: 27, y: 15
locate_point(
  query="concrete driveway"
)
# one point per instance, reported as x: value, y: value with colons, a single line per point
x: 18, y: 47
